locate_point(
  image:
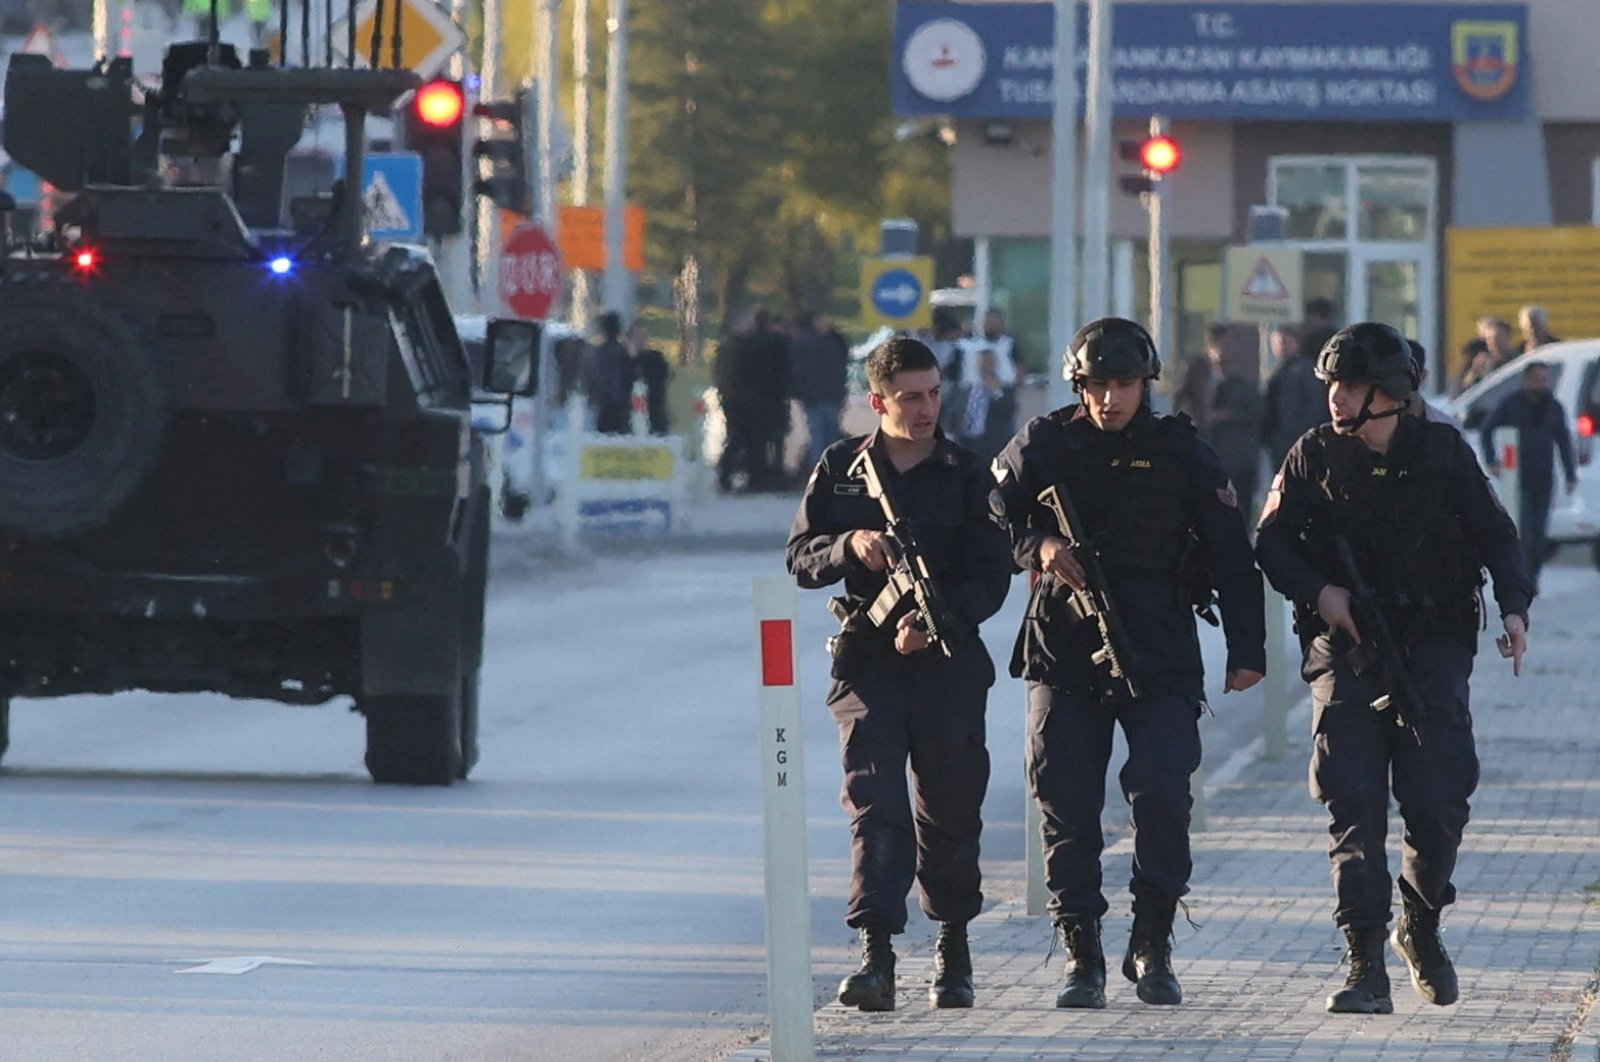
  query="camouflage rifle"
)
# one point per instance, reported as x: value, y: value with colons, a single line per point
x: 1094, y: 601
x: 910, y: 579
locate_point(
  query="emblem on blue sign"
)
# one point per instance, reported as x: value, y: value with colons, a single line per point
x: 1484, y: 57
x: 897, y: 293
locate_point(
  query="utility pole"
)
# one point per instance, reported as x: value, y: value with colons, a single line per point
x: 580, y: 149
x: 1097, y: 162
x: 1064, y: 198
x: 616, y: 288
x: 488, y: 222
x: 1160, y: 256
x: 544, y: 61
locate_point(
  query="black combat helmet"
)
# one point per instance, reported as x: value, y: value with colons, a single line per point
x: 1370, y: 351
x: 1112, y: 348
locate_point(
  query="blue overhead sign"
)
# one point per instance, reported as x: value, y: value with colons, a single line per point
x: 1239, y: 61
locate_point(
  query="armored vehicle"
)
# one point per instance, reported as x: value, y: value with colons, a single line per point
x: 236, y: 442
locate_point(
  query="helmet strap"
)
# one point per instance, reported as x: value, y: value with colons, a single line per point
x: 1366, y: 414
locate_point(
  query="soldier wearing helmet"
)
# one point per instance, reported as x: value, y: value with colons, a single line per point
x: 1162, y: 523
x: 1404, y: 498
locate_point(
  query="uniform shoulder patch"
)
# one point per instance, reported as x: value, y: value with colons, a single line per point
x: 997, y: 509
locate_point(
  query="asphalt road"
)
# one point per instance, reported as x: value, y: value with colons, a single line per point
x: 199, y: 878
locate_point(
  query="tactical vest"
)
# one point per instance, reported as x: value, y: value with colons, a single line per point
x: 1409, y: 543
x: 1132, y: 490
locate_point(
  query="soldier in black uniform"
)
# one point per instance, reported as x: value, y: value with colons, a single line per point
x: 895, y: 697
x: 1407, y: 498
x: 1165, y: 525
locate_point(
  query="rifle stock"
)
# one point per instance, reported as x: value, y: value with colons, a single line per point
x: 1378, y: 646
x: 1094, y: 602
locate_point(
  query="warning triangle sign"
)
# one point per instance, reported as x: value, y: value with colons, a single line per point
x: 40, y: 41
x: 384, y: 210
x: 1264, y: 282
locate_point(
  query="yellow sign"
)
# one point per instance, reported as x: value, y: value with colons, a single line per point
x: 428, y: 36
x: 626, y: 462
x: 581, y: 232
x: 1496, y: 272
x: 894, y: 292
x: 1266, y: 284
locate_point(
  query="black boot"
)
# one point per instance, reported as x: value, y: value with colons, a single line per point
x: 872, y: 986
x: 1366, y: 990
x: 952, y: 968
x: 1086, y: 966
x: 1416, y: 940
x: 1148, y: 963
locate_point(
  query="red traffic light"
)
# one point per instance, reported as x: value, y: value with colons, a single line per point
x: 1160, y: 154
x: 439, y: 104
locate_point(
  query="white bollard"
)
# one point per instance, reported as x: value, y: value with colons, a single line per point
x: 783, y: 803
x: 1507, y: 450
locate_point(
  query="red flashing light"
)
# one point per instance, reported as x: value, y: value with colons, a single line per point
x: 1160, y: 154
x: 1585, y: 425
x: 440, y: 104
x: 85, y: 260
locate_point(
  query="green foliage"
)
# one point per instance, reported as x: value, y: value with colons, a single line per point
x: 761, y: 140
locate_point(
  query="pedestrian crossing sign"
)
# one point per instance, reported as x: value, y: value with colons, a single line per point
x: 1265, y: 284
x: 391, y: 190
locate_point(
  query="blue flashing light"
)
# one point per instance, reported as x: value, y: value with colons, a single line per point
x: 281, y: 265
x: 472, y: 82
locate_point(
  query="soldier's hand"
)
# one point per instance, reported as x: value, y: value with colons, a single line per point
x: 1240, y: 679
x: 908, y: 637
x: 1056, y: 558
x: 1333, y: 605
x: 1513, y: 643
x: 871, y: 548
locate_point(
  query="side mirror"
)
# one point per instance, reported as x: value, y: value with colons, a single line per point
x: 511, y: 357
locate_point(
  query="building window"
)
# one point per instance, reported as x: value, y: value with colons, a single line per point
x: 1367, y: 226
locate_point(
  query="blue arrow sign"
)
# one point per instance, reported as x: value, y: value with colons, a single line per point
x: 391, y: 185
x: 896, y: 293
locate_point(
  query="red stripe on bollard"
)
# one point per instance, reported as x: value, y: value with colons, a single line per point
x: 777, y: 653
x: 1508, y: 456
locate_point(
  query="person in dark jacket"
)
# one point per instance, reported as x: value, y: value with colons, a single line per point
x: 744, y: 378
x: 819, y: 367
x: 1401, y: 501
x: 608, y: 379
x: 1295, y: 402
x: 1233, y: 428
x: 651, y: 366
x: 895, y: 698
x: 1541, y: 426
x: 1162, y: 521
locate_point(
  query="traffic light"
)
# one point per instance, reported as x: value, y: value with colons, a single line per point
x: 434, y: 130
x: 506, y: 151
x: 1157, y: 155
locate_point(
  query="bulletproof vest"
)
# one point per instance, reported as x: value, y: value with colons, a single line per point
x: 1131, y: 489
x: 1409, y: 544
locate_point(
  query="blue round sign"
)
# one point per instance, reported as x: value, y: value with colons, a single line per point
x: 897, y: 293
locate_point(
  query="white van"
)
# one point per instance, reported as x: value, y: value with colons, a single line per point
x: 1575, y: 375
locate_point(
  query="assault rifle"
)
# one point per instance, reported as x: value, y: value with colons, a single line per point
x: 910, y: 580
x: 1379, y: 647
x: 1094, y: 601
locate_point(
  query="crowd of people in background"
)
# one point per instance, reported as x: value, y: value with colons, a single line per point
x: 607, y: 370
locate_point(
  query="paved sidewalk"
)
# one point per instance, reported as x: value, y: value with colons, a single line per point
x: 1525, y: 933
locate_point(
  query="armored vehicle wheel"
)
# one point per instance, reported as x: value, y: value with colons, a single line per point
x: 82, y: 409
x: 415, y: 740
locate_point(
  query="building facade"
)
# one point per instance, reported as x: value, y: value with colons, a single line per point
x: 1380, y: 129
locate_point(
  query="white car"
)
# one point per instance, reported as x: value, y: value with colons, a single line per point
x: 1575, y: 376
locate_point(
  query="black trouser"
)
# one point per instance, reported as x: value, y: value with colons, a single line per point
x: 1533, y: 521
x: 932, y: 712
x: 1360, y: 753
x: 1069, y: 750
